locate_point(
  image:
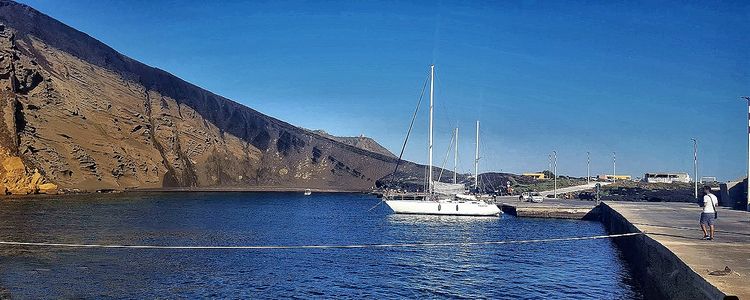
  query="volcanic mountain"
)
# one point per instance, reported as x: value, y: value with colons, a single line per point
x: 76, y: 114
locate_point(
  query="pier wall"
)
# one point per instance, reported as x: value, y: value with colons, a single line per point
x: 551, y: 208
x: 662, y: 274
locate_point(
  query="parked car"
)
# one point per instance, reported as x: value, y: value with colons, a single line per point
x: 531, y: 197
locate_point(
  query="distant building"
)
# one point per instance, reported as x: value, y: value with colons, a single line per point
x: 666, y: 177
x: 536, y: 175
x: 708, y: 179
x: 613, y: 177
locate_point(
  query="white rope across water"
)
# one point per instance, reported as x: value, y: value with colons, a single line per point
x: 413, y: 245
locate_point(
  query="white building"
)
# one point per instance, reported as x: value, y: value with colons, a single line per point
x: 666, y: 177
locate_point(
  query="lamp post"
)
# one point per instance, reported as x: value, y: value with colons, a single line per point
x: 549, y: 163
x: 554, y: 155
x: 614, y: 167
x: 588, y: 167
x: 748, y: 154
x: 695, y: 165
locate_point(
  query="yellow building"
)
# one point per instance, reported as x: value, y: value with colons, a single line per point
x: 535, y: 175
x: 614, y: 177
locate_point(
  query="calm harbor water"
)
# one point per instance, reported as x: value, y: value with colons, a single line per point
x: 578, y: 269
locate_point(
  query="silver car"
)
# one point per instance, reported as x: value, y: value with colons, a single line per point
x: 531, y: 197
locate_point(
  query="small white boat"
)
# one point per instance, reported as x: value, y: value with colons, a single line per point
x: 308, y: 192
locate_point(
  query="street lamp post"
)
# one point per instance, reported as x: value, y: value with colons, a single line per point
x: 588, y: 167
x: 554, y: 154
x: 549, y: 163
x: 614, y: 166
x: 695, y: 165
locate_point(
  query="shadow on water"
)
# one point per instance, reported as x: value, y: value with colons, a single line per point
x: 445, y: 220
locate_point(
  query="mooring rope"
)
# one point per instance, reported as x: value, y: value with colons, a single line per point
x: 414, y: 245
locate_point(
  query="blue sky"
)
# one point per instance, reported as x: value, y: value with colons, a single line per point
x: 637, y: 78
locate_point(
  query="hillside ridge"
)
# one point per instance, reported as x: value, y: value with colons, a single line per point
x: 80, y: 115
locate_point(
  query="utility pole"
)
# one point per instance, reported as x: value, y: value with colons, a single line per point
x: 695, y: 165
x: 748, y: 153
x: 614, y: 167
x: 588, y: 167
x: 554, y: 154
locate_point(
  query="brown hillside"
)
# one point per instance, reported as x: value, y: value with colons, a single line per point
x: 361, y: 142
x: 85, y: 116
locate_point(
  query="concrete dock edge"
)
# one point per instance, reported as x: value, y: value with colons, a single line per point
x: 661, y: 273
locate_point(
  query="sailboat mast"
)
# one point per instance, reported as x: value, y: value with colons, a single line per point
x: 476, y: 160
x: 455, y: 159
x: 432, y: 90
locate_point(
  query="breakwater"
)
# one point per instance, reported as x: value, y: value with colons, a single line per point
x: 670, y: 259
x: 552, y: 208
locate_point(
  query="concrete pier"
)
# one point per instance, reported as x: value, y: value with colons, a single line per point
x: 672, y: 260
x: 550, y: 208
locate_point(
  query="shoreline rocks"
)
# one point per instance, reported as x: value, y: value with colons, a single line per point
x: 15, y: 179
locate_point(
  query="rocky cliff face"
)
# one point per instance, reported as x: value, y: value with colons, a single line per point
x: 75, y: 114
x: 361, y: 142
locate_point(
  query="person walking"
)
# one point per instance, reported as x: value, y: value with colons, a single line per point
x: 709, y: 214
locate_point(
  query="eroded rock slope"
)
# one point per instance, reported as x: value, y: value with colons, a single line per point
x: 76, y: 114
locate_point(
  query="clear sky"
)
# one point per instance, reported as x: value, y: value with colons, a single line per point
x: 640, y: 78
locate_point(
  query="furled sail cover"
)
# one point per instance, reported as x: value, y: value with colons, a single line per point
x: 447, y: 188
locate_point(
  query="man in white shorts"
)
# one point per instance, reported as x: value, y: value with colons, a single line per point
x: 708, y: 216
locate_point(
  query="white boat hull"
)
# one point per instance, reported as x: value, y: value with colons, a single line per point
x: 444, y: 207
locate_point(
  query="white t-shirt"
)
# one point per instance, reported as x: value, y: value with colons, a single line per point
x: 707, y: 207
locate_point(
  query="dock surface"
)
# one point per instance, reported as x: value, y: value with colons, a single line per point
x: 675, y: 226
x: 550, y: 208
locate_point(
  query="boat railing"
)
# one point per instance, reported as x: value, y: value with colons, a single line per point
x: 405, y: 196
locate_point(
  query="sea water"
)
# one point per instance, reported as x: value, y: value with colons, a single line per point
x: 592, y: 269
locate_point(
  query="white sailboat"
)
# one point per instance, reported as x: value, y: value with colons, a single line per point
x: 444, y: 200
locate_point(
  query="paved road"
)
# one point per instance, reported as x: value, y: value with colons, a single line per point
x: 572, y: 189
